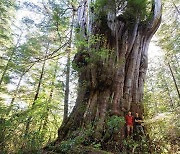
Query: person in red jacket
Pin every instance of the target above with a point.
(129, 123)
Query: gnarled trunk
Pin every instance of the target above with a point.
(112, 65)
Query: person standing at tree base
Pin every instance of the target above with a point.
(129, 123)
(138, 124)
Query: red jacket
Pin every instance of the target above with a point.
(129, 120)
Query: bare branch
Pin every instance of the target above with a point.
(51, 55)
(178, 11)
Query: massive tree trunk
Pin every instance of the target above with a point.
(112, 64)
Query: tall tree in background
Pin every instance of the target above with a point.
(7, 9)
(169, 35)
(163, 79)
(37, 90)
(112, 61)
(68, 64)
(28, 105)
(9, 60)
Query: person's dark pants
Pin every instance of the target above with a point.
(140, 129)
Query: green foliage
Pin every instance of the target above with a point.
(137, 145)
(138, 9)
(7, 10)
(100, 4)
(139, 4)
(115, 123)
(66, 146)
(33, 141)
(88, 55)
(23, 61)
(134, 9)
(161, 97)
(99, 7)
(77, 138)
(96, 145)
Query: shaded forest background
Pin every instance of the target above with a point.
(38, 84)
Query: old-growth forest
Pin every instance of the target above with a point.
(72, 71)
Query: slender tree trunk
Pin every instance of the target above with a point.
(169, 94)
(17, 90)
(111, 64)
(174, 80)
(176, 8)
(177, 60)
(50, 97)
(155, 101)
(9, 60)
(66, 97)
(14, 96)
(37, 92)
(2, 135)
(168, 91)
(175, 67)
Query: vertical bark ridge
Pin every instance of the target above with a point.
(132, 37)
(120, 74)
(135, 93)
(130, 72)
(89, 114)
(101, 113)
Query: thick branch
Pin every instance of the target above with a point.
(157, 12)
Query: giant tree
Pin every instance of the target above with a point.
(113, 38)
